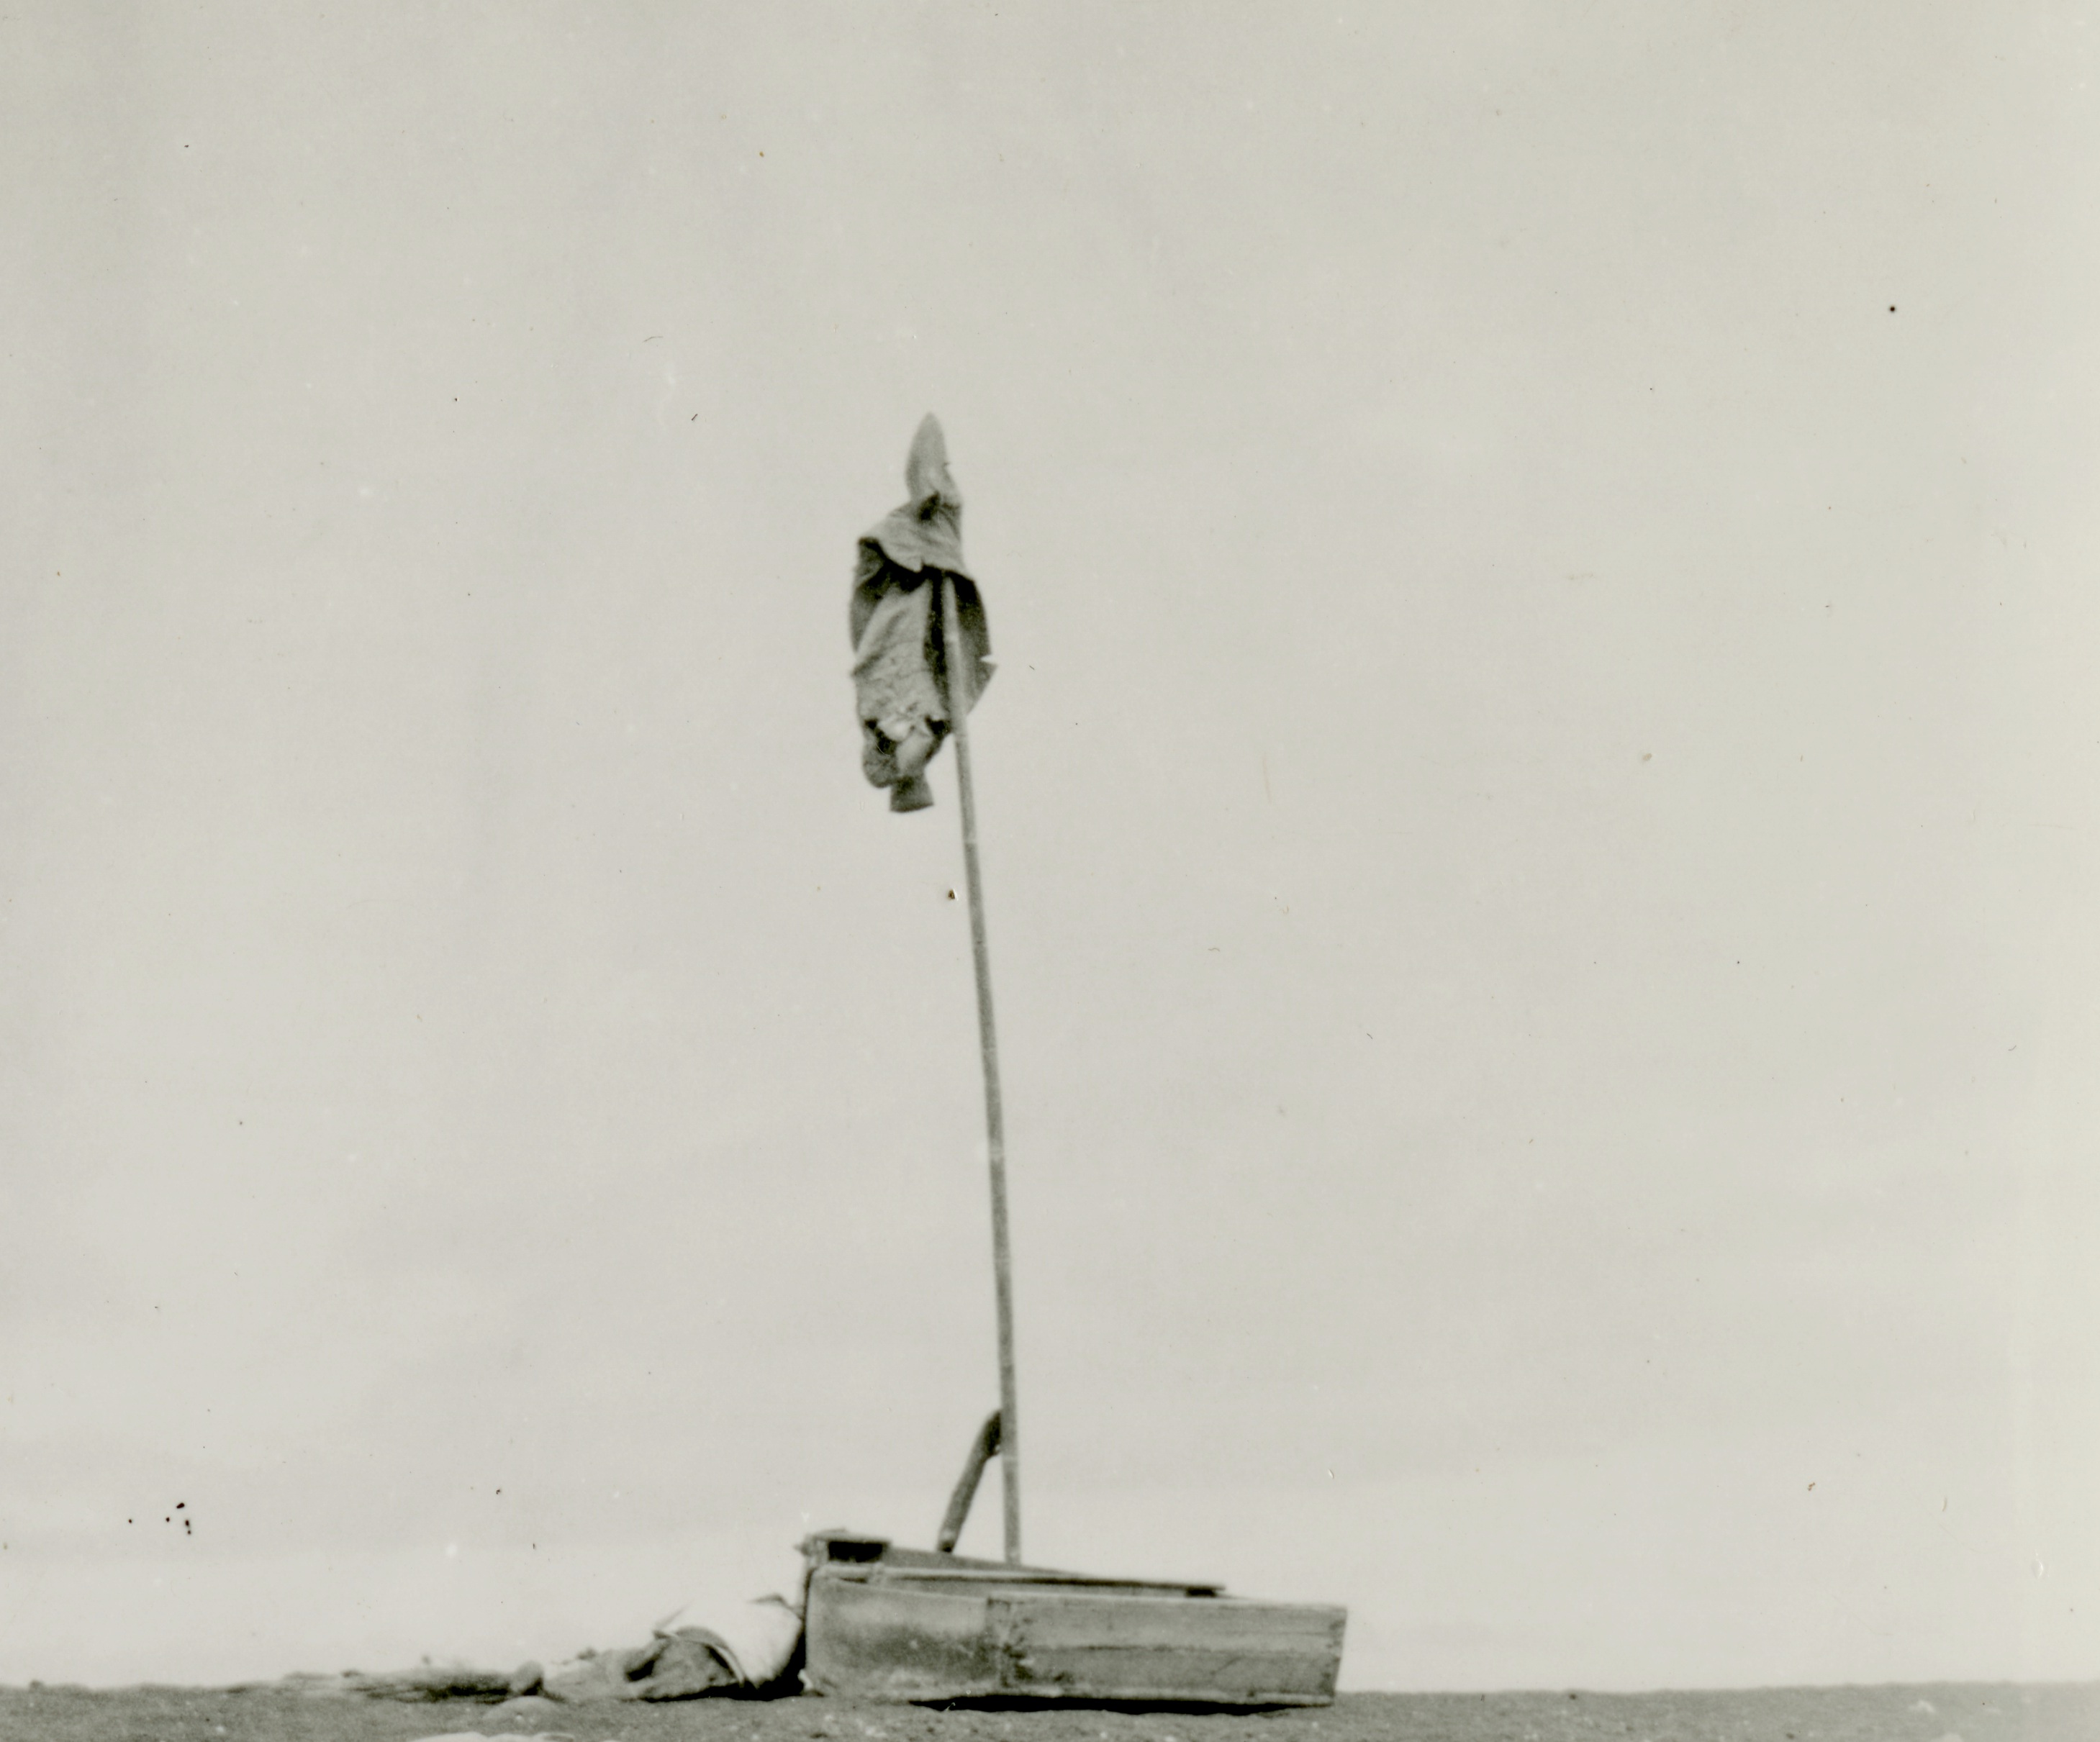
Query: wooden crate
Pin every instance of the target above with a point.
(946, 1629)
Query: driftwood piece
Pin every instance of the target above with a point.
(435, 1681)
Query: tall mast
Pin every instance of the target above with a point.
(959, 698)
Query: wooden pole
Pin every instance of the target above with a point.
(982, 1450)
(959, 698)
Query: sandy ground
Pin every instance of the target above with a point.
(1972, 1712)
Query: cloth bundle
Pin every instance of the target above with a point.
(904, 568)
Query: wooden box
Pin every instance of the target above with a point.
(883, 1623)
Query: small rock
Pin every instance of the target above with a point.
(527, 1677)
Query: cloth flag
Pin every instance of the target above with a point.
(900, 650)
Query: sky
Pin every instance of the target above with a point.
(1538, 810)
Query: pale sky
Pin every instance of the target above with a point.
(1538, 815)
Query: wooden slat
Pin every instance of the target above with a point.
(1114, 1646)
(1029, 1577)
(844, 1551)
(1160, 1675)
(882, 1643)
(1061, 1618)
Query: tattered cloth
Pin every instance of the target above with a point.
(900, 655)
(756, 1648)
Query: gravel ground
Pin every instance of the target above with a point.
(1968, 1712)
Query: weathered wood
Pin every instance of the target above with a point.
(855, 1556)
(1032, 1576)
(959, 703)
(881, 1633)
(982, 1450)
(889, 1644)
(434, 1682)
(1080, 1620)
